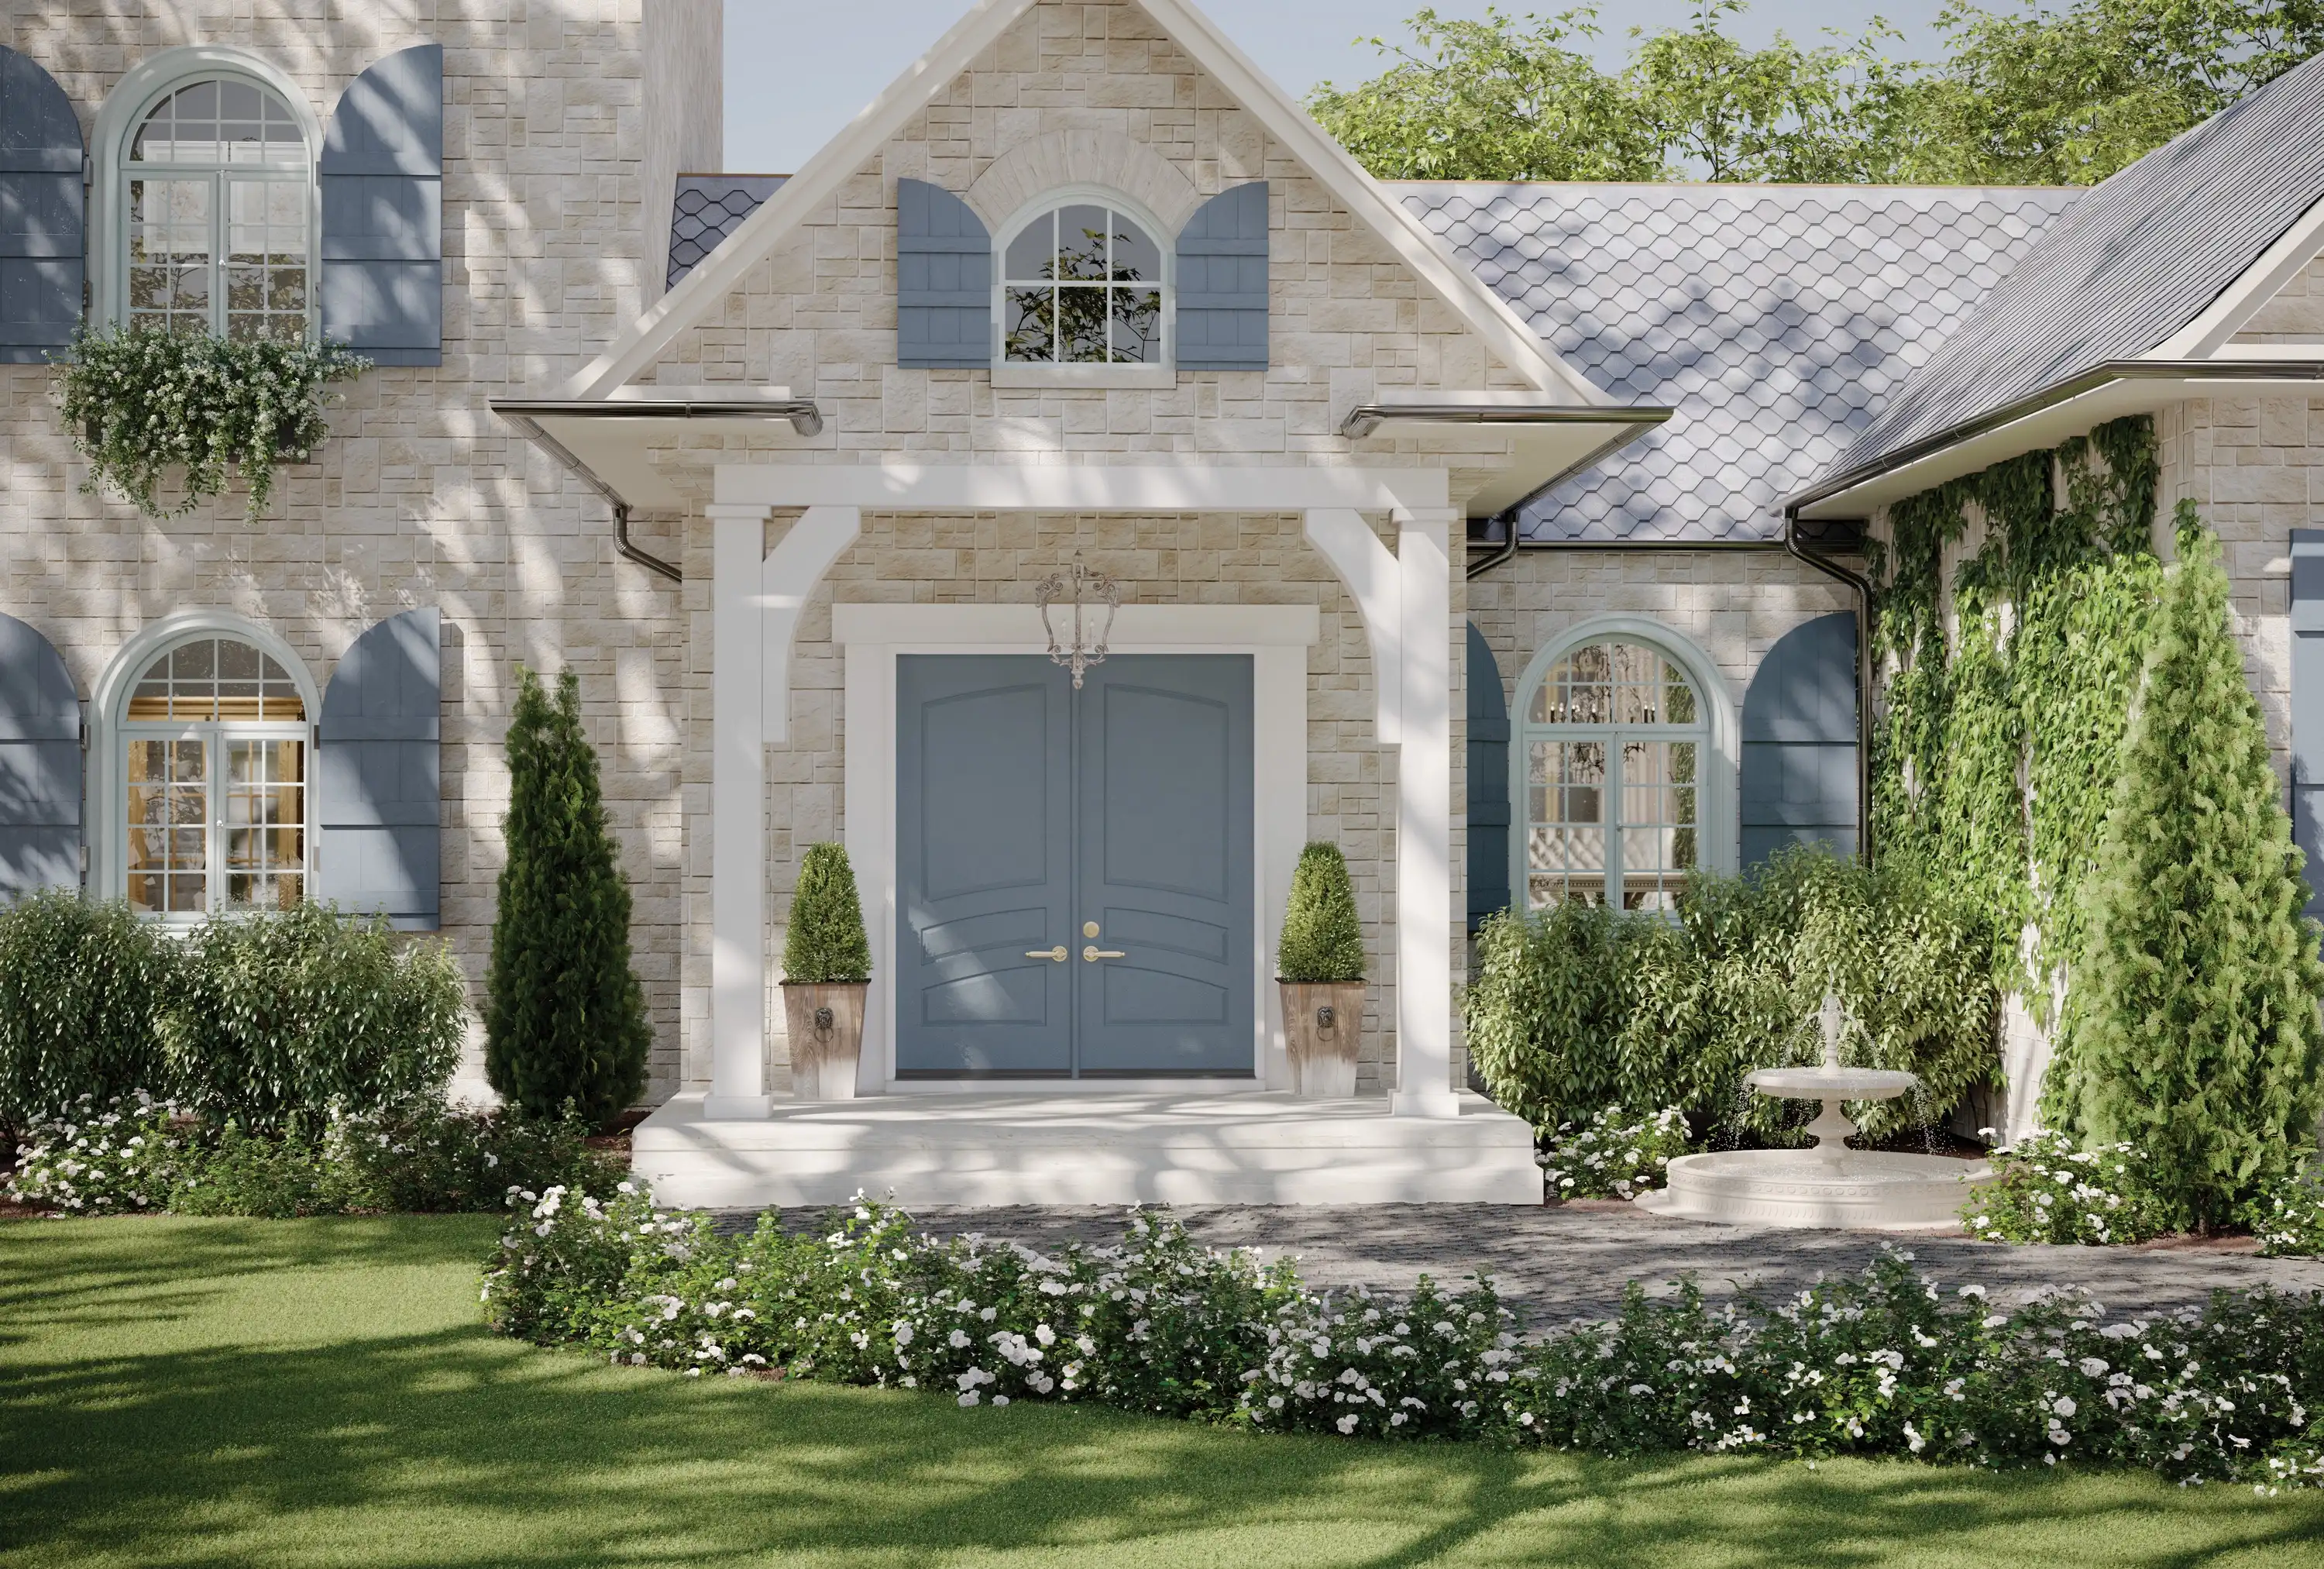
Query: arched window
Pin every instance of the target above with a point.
(218, 186)
(1082, 282)
(1614, 747)
(213, 742)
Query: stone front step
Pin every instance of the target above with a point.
(1086, 1148)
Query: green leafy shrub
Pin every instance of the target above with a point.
(269, 1177)
(1576, 1009)
(824, 942)
(2197, 1035)
(142, 399)
(108, 1158)
(1618, 1155)
(281, 1018)
(83, 990)
(564, 1018)
(1322, 939)
(420, 1156)
(2052, 1190)
(1882, 1362)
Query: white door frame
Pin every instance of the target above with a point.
(1276, 638)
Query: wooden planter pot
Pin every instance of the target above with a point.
(1322, 1025)
(825, 1024)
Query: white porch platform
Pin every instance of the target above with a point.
(1086, 1148)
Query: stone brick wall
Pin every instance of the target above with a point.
(2254, 469)
(422, 496)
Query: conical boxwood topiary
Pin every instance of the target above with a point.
(1323, 940)
(825, 943)
(2197, 1037)
(564, 1018)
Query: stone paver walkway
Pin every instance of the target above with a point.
(1556, 1263)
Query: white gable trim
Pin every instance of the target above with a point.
(1509, 335)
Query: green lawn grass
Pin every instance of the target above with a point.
(320, 1392)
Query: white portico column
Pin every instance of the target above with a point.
(1424, 821)
(738, 817)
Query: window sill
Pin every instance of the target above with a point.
(1023, 377)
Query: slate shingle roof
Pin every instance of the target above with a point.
(1773, 319)
(2139, 258)
(707, 209)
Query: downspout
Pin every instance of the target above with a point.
(621, 544)
(1508, 520)
(1862, 588)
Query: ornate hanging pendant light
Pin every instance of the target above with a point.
(1084, 589)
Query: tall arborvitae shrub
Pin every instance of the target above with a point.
(2197, 1035)
(824, 942)
(1322, 939)
(564, 1018)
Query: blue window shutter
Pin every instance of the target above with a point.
(1488, 783)
(383, 179)
(42, 211)
(378, 774)
(1223, 283)
(944, 279)
(2308, 706)
(39, 764)
(1799, 741)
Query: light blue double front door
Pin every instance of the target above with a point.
(1075, 870)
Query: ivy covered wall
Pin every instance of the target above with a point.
(2010, 618)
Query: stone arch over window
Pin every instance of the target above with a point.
(206, 214)
(1083, 276)
(202, 789)
(1622, 767)
(1021, 177)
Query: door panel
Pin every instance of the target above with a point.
(1164, 793)
(984, 850)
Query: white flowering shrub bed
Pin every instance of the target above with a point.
(1884, 1363)
(2290, 1220)
(413, 1155)
(128, 1155)
(1618, 1155)
(2052, 1190)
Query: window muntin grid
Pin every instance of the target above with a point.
(216, 800)
(220, 201)
(1613, 753)
(1082, 284)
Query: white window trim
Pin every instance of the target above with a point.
(108, 805)
(1719, 804)
(125, 108)
(1034, 374)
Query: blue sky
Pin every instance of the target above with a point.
(797, 71)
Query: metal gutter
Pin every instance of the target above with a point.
(525, 415)
(1862, 587)
(1365, 417)
(2072, 387)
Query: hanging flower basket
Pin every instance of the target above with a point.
(141, 400)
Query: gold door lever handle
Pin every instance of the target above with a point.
(1056, 955)
(1093, 954)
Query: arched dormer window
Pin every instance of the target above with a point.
(1083, 281)
(1623, 764)
(213, 207)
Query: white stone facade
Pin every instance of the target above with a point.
(423, 496)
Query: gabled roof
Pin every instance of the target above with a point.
(700, 292)
(1775, 319)
(2141, 256)
(707, 209)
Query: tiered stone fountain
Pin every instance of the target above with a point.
(1829, 1184)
